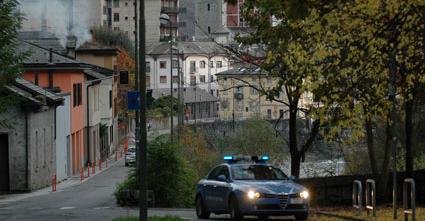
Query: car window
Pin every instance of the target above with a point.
(257, 172)
(214, 173)
(224, 171)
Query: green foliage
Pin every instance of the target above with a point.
(115, 38)
(163, 105)
(170, 176)
(125, 192)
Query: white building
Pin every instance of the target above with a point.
(199, 63)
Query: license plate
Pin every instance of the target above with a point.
(296, 201)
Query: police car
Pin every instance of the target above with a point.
(249, 186)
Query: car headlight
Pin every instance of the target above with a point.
(252, 195)
(304, 194)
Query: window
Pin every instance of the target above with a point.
(176, 79)
(116, 28)
(77, 94)
(202, 78)
(212, 92)
(126, 4)
(148, 67)
(192, 80)
(163, 79)
(280, 113)
(105, 10)
(211, 78)
(126, 18)
(269, 114)
(116, 17)
(219, 64)
(202, 64)
(192, 66)
(209, 29)
(246, 109)
(163, 64)
(253, 91)
(220, 170)
(116, 3)
(209, 7)
(211, 64)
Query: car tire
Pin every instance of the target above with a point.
(201, 211)
(301, 217)
(235, 213)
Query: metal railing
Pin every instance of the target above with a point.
(357, 195)
(370, 197)
(412, 210)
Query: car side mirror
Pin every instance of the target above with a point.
(222, 178)
(292, 178)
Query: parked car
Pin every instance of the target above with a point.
(130, 156)
(250, 186)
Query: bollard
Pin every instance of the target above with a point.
(81, 174)
(412, 210)
(116, 155)
(93, 168)
(357, 195)
(54, 183)
(100, 165)
(370, 197)
(106, 163)
(88, 169)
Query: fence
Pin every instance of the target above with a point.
(338, 190)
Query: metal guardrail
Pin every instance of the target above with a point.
(370, 197)
(412, 210)
(357, 195)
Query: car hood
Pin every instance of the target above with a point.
(269, 187)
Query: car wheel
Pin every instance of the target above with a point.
(301, 217)
(235, 213)
(201, 211)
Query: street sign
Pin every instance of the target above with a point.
(133, 100)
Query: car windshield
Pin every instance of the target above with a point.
(257, 172)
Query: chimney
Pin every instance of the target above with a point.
(71, 44)
(44, 18)
(51, 55)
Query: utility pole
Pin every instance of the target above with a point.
(142, 150)
(136, 56)
(179, 95)
(171, 81)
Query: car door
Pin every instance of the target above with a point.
(222, 189)
(209, 187)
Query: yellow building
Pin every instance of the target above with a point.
(239, 98)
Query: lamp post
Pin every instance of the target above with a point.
(165, 19)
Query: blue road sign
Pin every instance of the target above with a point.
(133, 100)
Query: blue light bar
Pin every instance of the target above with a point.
(228, 157)
(265, 158)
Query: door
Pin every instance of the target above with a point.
(222, 190)
(4, 163)
(209, 188)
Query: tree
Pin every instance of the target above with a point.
(10, 59)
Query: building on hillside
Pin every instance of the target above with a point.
(199, 62)
(199, 104)
(56, 72)
(27, 138)
(238, 100)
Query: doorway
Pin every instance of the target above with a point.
(4, 163)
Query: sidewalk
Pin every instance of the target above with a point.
(70, 182)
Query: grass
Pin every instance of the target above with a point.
(153, 218)
(382, 214)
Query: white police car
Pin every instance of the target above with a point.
(250, 186)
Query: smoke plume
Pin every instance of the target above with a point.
(61, 17)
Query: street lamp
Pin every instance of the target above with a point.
(164, 20)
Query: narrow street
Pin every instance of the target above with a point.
(91, 200)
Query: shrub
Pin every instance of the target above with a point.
(125, 192)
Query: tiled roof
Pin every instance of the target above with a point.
(245, 69)
(200, 47)
(43, 39)
(95, 46)
(191, 94)
(36, 90)
(40, 55)
(94, 74)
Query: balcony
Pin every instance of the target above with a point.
(170, 10)
(173, 25)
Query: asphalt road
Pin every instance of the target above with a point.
(91, 200)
